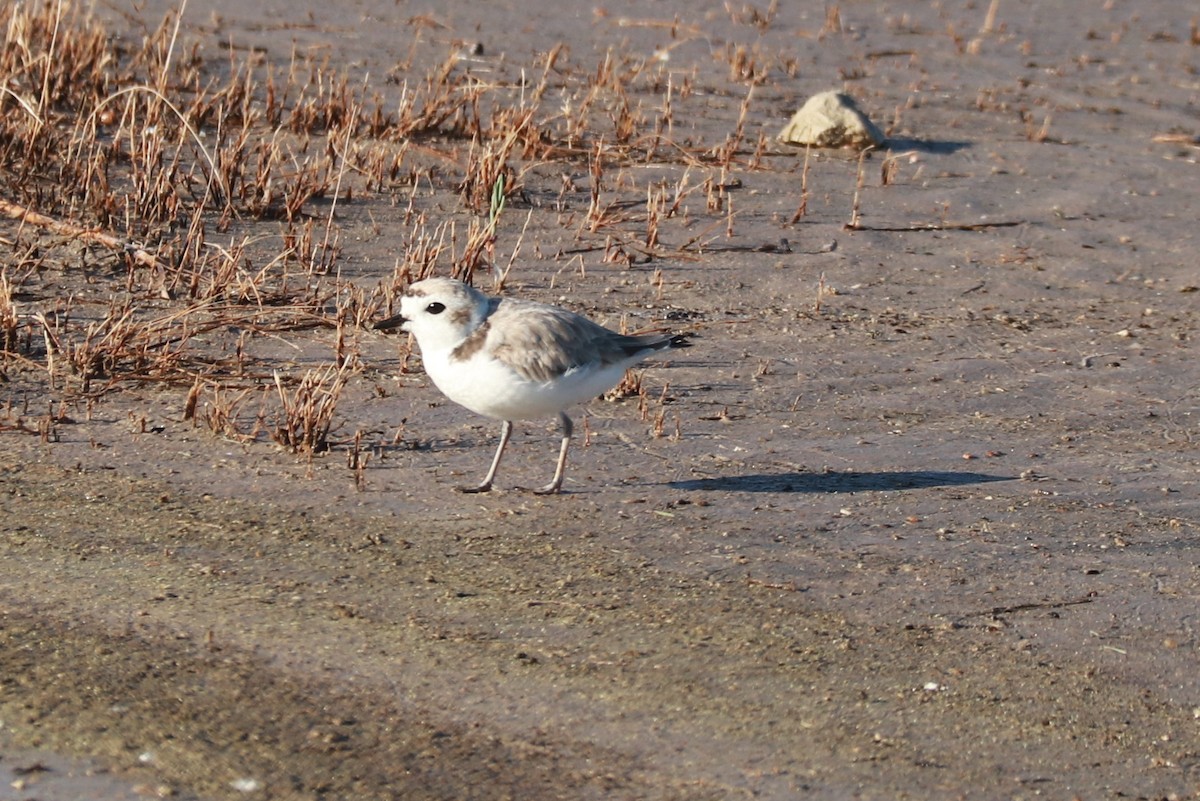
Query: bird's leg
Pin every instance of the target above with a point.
(486, 484)
(556, 484)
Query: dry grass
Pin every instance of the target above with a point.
(9, 321)
(204, 205)
(305, 416)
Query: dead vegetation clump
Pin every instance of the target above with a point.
(305, 416)
(166, 213)
(9, 322)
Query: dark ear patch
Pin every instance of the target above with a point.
(472, 344)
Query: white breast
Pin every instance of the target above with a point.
(490, 388)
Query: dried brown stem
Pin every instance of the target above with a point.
(16, 211)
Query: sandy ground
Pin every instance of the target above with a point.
(921, 521)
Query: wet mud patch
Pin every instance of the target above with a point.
(501, 658)
(226, 725)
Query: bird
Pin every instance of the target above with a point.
(512, 359)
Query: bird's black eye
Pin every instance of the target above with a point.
(435, 308)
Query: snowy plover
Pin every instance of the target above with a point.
(515, 359)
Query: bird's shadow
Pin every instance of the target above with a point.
(837, 482)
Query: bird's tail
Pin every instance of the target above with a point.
(648, 343)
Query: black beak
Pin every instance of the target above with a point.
(390, 323)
